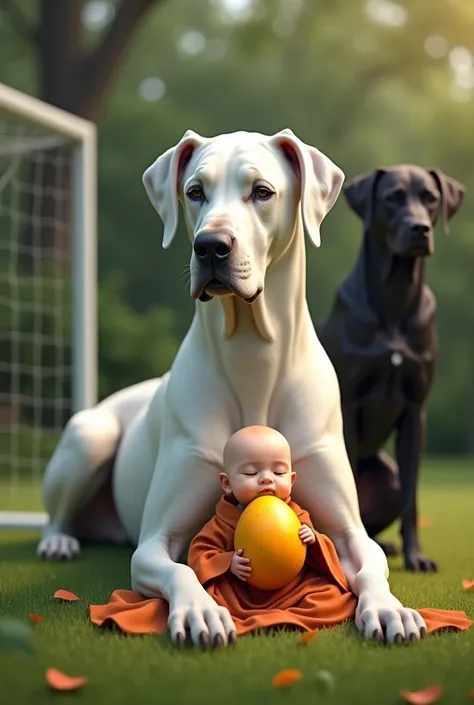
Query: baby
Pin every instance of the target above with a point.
(257, 460)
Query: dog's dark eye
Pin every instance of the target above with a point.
(429, 197)
(397, 196)
(261, 193)
(195, 193)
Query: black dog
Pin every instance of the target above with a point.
(381, 338)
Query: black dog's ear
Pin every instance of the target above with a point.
(360, 191)
(452, 194)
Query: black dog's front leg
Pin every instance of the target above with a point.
(409, 447)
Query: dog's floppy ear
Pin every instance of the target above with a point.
(360, 192)
(452, 194)
(161, 182)
(320, 178)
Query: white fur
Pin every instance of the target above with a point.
(239, 364)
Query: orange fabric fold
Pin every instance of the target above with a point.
(318, 597)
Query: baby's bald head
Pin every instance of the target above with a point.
(257, 459)
(258, 443)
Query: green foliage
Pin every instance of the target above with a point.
(35, 341)
(35, 332)
(31, 447)
(132, 347)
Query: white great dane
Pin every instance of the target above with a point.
(251, 356)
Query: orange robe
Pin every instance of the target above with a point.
(318, 597)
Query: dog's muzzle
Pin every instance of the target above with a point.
(213, 251)
(416, 239)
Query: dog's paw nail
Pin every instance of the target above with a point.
(218, 641)
(179, 639)
(422, 632)
(377, 635)
(412, 638)
(204, 639)
(233, 638)
(398, 639)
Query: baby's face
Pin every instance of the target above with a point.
(259, 466)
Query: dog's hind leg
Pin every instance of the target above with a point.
(74, 476)
(378, 487)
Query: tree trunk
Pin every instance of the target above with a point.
(79, 81)
(71, 77)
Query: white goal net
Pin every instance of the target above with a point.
(47, 291)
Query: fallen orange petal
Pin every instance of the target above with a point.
(60, 681)
(35, 617)
(286, 677)
(470, 694)
(65, 595)
(468, 584)
(422, 697)
(424, 522)
(308, 636)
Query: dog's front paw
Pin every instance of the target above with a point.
(382, 617)
(208, 623)
(58, 546)
(416, 562)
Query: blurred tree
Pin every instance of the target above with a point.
(132, 347)
(77, 65)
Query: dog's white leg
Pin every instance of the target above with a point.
(73, 476)
(325, 486)
(182, 498)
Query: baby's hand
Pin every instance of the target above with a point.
(306, 534)
(239, 565)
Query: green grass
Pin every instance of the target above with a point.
(135, 670)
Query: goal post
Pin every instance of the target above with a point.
(84, 198)
(36, 137)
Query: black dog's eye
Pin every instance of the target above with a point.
(397, 196)
(261, 193)
(429, 197)
(195, 193)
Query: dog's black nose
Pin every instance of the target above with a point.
(213, 246)
(420, 228)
